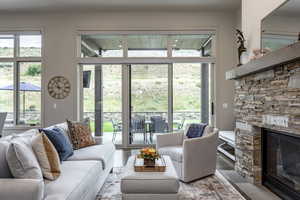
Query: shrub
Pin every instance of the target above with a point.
(33, 70)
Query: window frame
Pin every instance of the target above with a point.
(126, 61)
(16, 60)
(145, 60)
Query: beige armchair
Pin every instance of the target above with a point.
(193, 158)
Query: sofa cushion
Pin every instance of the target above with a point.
(64, 149)
(21, 159)
(64, 129)
(175, 152)
(4, 144)
(47, 156)
(75, 180)
(80, 134)
(102, 152)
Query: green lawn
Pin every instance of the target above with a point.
(107, 126)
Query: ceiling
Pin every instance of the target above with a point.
(120, 5)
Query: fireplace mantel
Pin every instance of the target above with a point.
(270, 60)
(267, 95)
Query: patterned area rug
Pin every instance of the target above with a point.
(214, 187)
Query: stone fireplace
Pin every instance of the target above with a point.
(267, 97)
(281, 163)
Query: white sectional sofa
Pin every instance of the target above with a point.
(82, 175)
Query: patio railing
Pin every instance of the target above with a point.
(177, 116)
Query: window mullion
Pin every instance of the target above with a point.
(125, 46)
(16, 93)
(170, 96)
(169, 47)
(17, 46)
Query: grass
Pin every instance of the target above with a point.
(107, 126)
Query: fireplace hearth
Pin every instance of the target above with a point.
(281, 163)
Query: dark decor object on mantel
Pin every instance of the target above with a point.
(241, 41)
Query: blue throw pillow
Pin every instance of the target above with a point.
(60, 142)
(195, 130)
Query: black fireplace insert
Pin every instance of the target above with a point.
(281, 163)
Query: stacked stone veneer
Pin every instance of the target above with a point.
(269, 99)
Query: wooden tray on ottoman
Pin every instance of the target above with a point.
(160, 165)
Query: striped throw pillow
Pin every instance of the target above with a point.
(47, 156)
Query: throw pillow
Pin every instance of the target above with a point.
(61, 144)
(22, 161)
(64, 129)
(80, 134)
(195, 130)
(47, 156)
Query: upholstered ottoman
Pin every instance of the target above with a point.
(149, 185)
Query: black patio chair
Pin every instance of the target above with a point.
(158, 125)
(138, 125)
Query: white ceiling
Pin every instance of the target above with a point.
(62, 5)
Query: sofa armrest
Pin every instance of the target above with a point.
(169, 139)
(25, 189)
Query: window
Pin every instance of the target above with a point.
(30, 46)
(6, 46)
(273, 42)
(20, 81)
(101, 46)
(146, 45)
(6, 90)
(186, 94)
(137, 84)
(191, 45)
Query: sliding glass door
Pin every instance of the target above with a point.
(148, 101)
(102, 100)
(162, 98)
(191, 94)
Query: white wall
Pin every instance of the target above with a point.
(253, 11)
(60, 48)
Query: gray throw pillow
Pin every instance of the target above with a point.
(22, 161)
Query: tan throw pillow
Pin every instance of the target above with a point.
(47, 156)
(80, 134)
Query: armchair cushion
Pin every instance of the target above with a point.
(175, 152)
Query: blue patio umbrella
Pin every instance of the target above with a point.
(25, 87)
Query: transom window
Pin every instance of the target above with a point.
(20, 77)
(147, 45)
